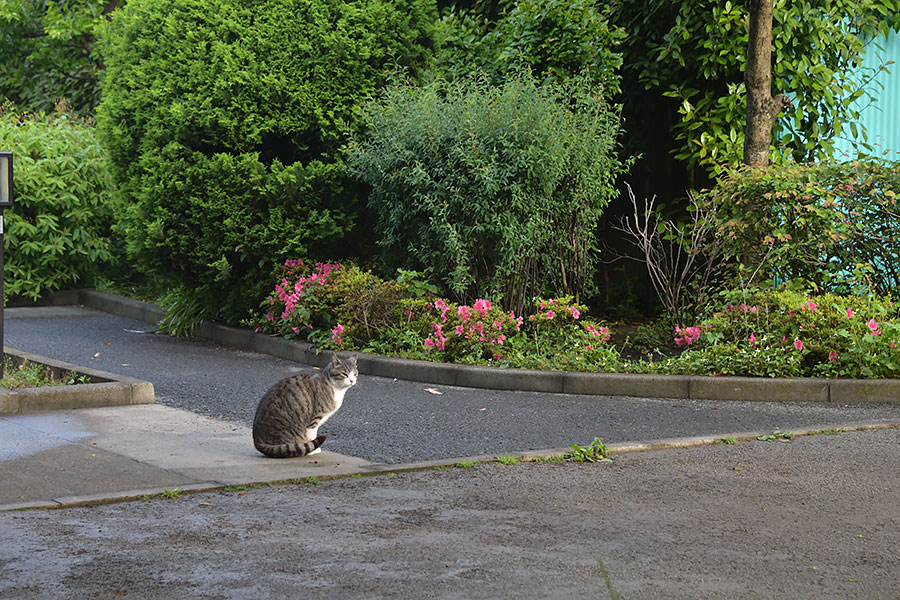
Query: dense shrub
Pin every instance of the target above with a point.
(342, 306)
(47, 50)
(831, 227)
(786, 334)
(758, 333)
(555, 39)
(57, 232)
(495, 192)
(224, 120)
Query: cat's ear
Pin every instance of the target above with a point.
(334, 358)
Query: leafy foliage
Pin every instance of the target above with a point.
(695, 53)
(787, 334)
(48, 53)
(495, 192)
(555, 39)
(223, 121)
(342, 306)
(828, 227)
(595, 452)
(310, 302)
(755, 333)
(57, 233)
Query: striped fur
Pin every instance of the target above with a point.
(290, 413)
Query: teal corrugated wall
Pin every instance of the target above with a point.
(882, 119)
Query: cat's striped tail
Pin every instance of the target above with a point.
(288, 450)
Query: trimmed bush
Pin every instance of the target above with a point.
(224, 123)
(495, 192)
(57, 232)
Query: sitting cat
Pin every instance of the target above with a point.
(289, 415)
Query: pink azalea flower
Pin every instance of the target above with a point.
(832, 355)
(575, 312)
(849, 314)
(752, 339)
(873, 327)
(798, 344)
(336, 332)
(482, 306)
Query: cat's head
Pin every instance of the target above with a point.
(342, 371)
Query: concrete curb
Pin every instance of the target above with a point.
(561, 382)
(108, 389)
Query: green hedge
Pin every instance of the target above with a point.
(493, 191)
(224, 121)
(57, 232)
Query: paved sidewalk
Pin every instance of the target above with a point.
(64, 458)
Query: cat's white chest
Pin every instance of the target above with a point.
(339, 396)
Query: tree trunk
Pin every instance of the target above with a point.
(762, 108)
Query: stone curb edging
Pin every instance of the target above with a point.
(687, 387)
(384, 468)
(108, 389)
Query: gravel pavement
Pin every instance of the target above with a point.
(816, 517)
(390, 421)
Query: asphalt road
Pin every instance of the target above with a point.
(391, 421)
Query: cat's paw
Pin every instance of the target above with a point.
(316, 451)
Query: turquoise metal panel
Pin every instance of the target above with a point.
(881, 119)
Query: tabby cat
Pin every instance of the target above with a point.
(289, 415)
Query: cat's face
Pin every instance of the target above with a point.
(343, 371)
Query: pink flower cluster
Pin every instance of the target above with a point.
(872, 324)
(290, 294)
(336, 332)
(546, 312)
(475, 325)
(600, 332)
(688, 335)
(809, 305)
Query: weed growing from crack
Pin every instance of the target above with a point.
(780, 436)
(596, 452)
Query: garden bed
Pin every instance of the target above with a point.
(63, 386)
